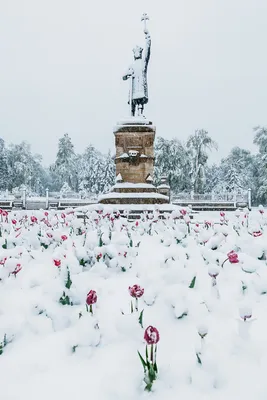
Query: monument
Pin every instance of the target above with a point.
(134, 140)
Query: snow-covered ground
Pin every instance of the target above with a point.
(56, 351)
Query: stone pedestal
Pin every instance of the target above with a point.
(135, 151)
(134, 140)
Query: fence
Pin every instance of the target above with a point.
(239, 197)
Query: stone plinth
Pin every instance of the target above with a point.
(134, 151)
(134, 140)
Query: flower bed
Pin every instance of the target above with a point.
(83, 301)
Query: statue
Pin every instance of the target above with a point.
(137, 73)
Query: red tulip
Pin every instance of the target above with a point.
(257, 234)
(17, 269)
(64, 237)
(91, 298)
(233, 257)
(183, 211)
(46, 213)
(136, 291)
(57, 263)
(151, 335)
(14, 221)
(33, 219)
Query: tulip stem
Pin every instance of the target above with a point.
(151, 354)
(136, 304)
(91, 309)
(224, 262)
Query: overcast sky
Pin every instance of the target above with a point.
(62, 62)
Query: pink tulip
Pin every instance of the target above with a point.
(17, 269)
(257, 234)
(91, 298)
(233, 257)
(33, 219)
(151, 335)
(64, 237)
(57, 263)
(136, 291)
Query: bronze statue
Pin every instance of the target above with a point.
(137, 73)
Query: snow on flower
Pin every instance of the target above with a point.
(136, 291)
(91, 297)
(233, 257)
(151, 335)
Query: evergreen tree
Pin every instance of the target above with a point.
(64, 169)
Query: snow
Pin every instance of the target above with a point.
(134, 121)
(118, 178)
(163, 186)
(131, 195)
(41, 360)
(129, 185)
(124, 155)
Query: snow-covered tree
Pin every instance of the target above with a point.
(64, 169)
(197, 156)
(24, 168)
(4, 176)
(170, 161)
(260, 140)
(107, 178)
(90, 168)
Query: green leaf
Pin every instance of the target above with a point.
(143, 362)
(123, 269)
(198, 359)
(155, 367)
(74, 348)
(140, 319)
(82, 262)
(192, 284)
(151, 373)
(183, 315)
(69, 281)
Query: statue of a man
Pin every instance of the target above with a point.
(137, 73)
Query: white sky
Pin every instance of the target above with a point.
(62, 62)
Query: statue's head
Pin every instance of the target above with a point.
(137, 52)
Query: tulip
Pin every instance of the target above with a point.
(90, 300)
(14, 221)
(57, 263)
(233, 257)
(64, 237)
(33, 219)
(257, 234)
(151, 337)
(135, 291)
(17, 269)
